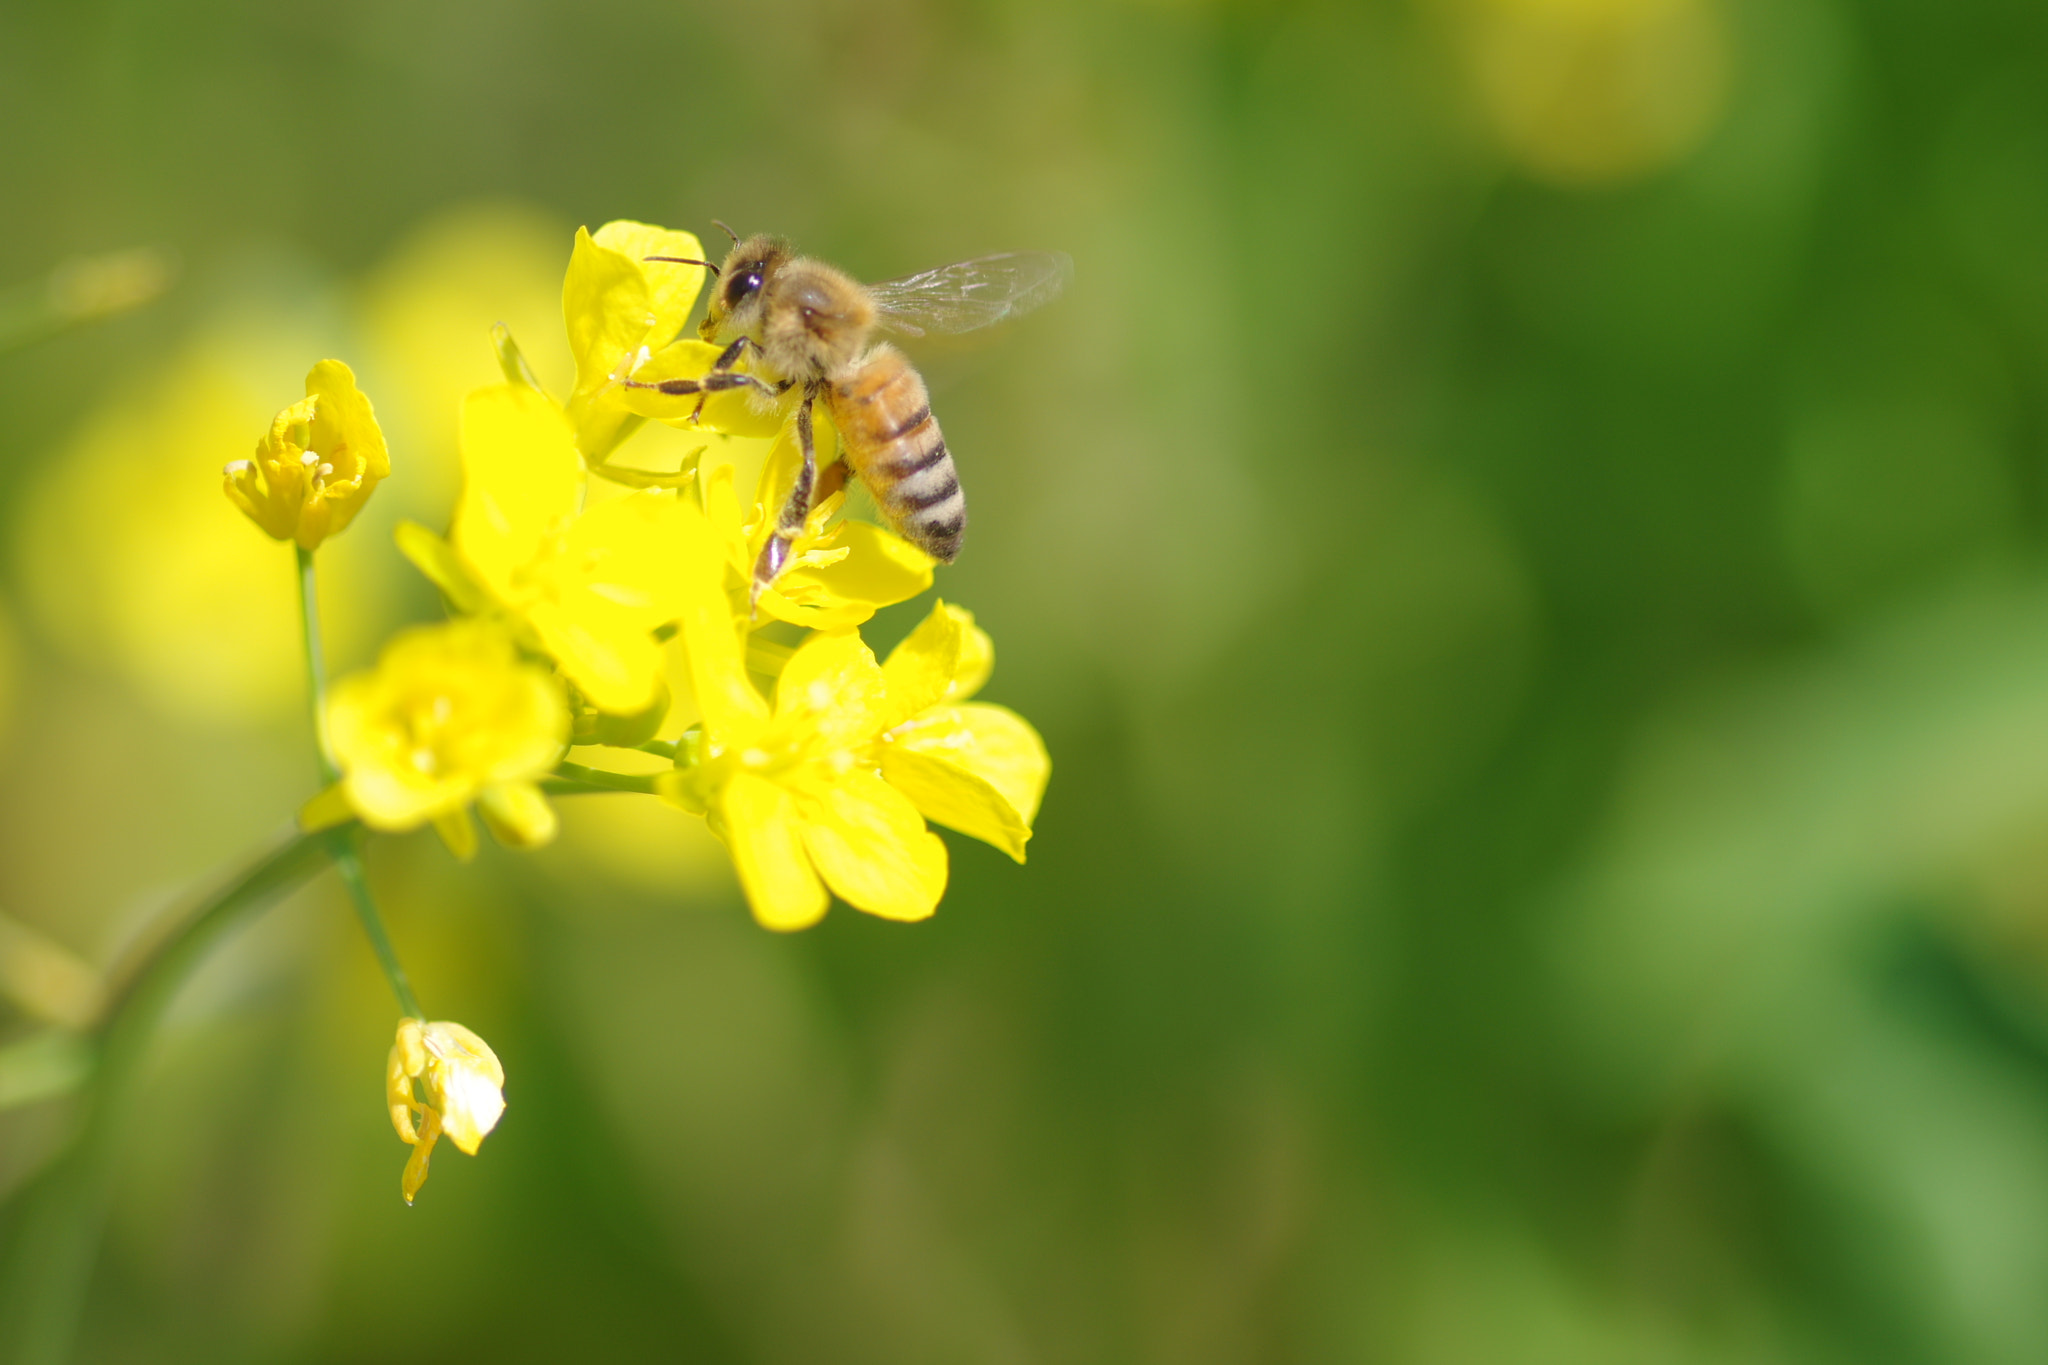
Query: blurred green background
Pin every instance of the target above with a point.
(1524, 540)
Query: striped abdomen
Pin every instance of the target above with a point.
(891, 442)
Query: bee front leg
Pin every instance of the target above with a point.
(720, 378)
(789, 522)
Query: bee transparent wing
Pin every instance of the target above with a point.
(969, 295)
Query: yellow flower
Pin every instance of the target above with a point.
(805, 794)
(592, 586)
(318, 465)
(450, 715)
(460, 1092)
(797, 799)
(839, 572)
(621, 308)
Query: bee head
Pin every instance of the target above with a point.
(736, 297)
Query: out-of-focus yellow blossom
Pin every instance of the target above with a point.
(620, 309)
(970, 766)
(839, 572)
(1596, 91)
(591, 587)
(450, 715)
(805, 793)
(322, 458)
(460, 1092)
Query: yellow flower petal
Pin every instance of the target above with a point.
(464, 1080)
(325, 811)
(758, 821)
(407, 1059)
(832, 691)
(616, 305)
(622, 569)
(517, 814)
(714, 637)
(671, 289)
(878, 569)
(979, 769)
(521, 482)
(947, 658)
(992, 743)
(415, 1174)
(457, 831)
(872, 848)
(444, 568)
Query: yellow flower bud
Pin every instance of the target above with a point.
(318, 464)
(440, 1078)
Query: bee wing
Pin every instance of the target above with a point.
(968, 295)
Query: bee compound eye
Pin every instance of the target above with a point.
(744, 283)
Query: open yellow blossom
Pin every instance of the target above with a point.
(440, 1079)
(621, 308)
(450, 715)
(318, 464)
(798, 801)
(591, 586)
(806, 794)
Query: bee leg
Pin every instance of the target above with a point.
(727, 358)
(712, 382)
(789, 522)
(720, 378)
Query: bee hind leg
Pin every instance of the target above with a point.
(789, 522)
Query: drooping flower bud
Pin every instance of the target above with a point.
(459, 1094)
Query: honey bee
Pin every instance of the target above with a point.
(802, 324)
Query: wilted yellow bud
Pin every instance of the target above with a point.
(460, 1092)
(318, 464)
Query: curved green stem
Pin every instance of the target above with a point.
(345, 845)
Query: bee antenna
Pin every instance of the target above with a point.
(727, 231)
(683, 260)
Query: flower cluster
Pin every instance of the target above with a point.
(580, 585)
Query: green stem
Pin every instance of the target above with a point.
(346, 847)
(602, 780)
(316, 659)
(48, 1259)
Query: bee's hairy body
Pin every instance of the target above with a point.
(809, 325)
